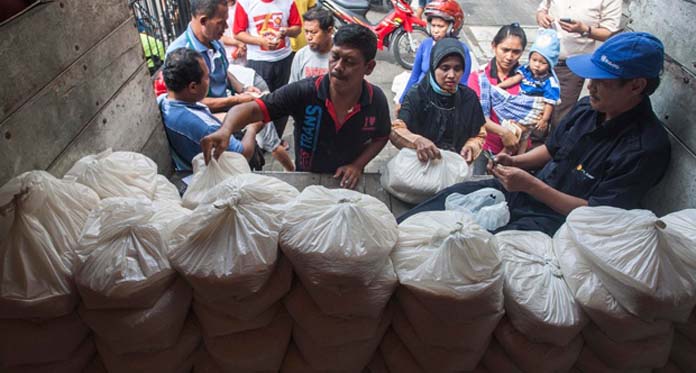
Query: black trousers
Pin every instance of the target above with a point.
(276, 75)
(526, 214)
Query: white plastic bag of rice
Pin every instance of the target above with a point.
(413, 181)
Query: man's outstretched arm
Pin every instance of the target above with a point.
(237, 118)
(515, 179)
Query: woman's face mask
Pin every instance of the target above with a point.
(449, 72)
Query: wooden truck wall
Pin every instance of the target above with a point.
(74, 82)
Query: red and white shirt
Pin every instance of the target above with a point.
(265, 18)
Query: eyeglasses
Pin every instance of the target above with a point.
(515, 24)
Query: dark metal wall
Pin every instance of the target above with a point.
(159, 23)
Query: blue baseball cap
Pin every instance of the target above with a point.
(626, 55)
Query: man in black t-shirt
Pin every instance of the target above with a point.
(341, 120)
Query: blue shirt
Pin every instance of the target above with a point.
(421, 65)
(214, 58)
(186, 124)
(546, 87)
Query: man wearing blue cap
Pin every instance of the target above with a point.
(609, 150)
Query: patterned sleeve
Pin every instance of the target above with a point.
(552, 91)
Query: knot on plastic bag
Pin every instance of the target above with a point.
(660, 224)
(554, 267)
(458, 226)
(230, 202)
(349, 200)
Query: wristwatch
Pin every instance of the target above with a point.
(587, 33)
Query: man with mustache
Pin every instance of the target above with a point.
(313, 59)
(609, 150)
(341, 120)
(208, 24)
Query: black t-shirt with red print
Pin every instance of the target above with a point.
(322, 144)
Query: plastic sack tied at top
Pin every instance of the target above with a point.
(122, 255)
(41, 218)
(448, 254)
(117, 174)
(623, 248)
(338, 237)
(228, 247)
(538, 302)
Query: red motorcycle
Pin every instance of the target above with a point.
(400, 30)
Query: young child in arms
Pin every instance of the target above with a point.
(538, 79)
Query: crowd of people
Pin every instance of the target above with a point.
(548, 151)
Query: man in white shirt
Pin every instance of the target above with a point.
(313, 58)
(266, 26)
(582, 25)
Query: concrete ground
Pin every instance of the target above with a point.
(482, 21)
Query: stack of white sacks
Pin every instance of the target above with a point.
(228, 252)
(629, 281)
(542, 328)
(679, 233)
(339, 243)
(40, 222)
(132, 298)
(451, 298)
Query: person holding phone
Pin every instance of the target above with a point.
(581, 25)
(608, 151)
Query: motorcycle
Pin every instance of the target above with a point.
(400, 30)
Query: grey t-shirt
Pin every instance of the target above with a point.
(308, 63)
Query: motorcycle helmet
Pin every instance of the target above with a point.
(450, 11)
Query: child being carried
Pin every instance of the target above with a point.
(537, 79)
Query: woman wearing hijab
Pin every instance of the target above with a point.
(445, 19)
(439, 112)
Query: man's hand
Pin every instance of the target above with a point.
(501, 159)
(243, 97)
(426, 150)
(268, 43)
(544, 20)
(468, 153)
(215, 144)
(514, 179)
(574, 26)
(252, 89)
(350, 176)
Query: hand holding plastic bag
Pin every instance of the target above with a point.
(207, 177)
(413, 181)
